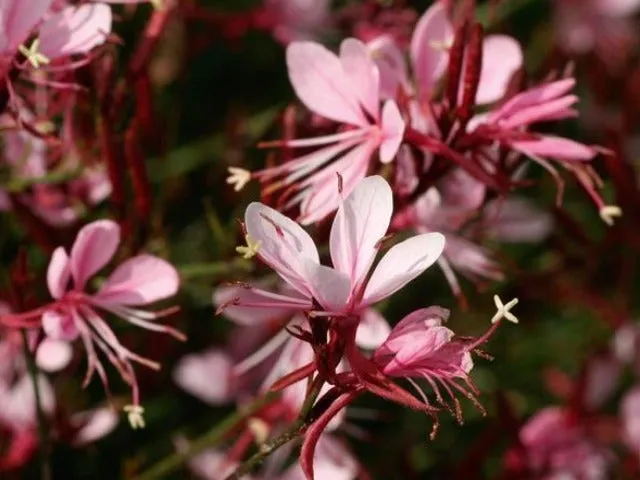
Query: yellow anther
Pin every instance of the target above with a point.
(157, 4)
(135, 416)
(504, 310)
(609, 213)
(250, 250)
(33, 55)
(238, 177)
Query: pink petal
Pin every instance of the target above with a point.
(320, 82)
(391, 64)
(429, 46)
(75, 30)
(401, 264)
(373, 329)
(17, 19)
(330, 287)
(325, 195)
(362, 73)
(53, 355)
(617, 8)
(60, 325)
(516, 220)
(534, 96)
(393, 127)
(139, 281)
(94, 425)
(555, 147)
(58, 273)
(207, 376)
(18, 404)
(462, 191)
(501, 58)
(95, 245)
(361, 222)
(630, 418)
(283, 244)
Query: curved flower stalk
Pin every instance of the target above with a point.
(348, 288)
(76, 313)
(344, 89)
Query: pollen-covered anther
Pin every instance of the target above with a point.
(135, 415)
(440, 45)
(250, 250)
(609, 213)
(238, 177)
(504, 310)
(33, 55)
(260, 430)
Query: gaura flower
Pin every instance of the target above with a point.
(344, 89)
(76, 313)
(356, 234)
(419, 348)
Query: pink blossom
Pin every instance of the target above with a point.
(29, 159)
(344, 89)
(346, 289)
(296, 20)
(429, 54)
(630, 419)
(74, 312)
(72, 30)
(602, 26)
(418, 348)
(556, 446)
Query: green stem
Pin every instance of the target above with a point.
(216, 269)
(210, 439)
(293, 432)
(32, 369)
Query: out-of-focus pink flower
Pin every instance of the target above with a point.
(138, 281)
(92, 425)
(358, 228)
(72, 30)
(556, 446)
(602, 26)
(418, 348)
(344, 89)
(296, 20)
(630, 419)
(58, 205)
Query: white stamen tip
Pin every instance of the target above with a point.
(250, 250)
(135, 415)
(238, 177)
(504, 310)
(33, 55)
(609, 213)
(260, 430)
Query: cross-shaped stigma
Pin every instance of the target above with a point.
(504, 310)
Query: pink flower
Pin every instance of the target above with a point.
(630, 419)
(602, 26)
(556, 446)
(295, 20)
(429, 54)
(72, 30)
(347, 288)
(418, 348)
(74, 312)
(344, 89)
